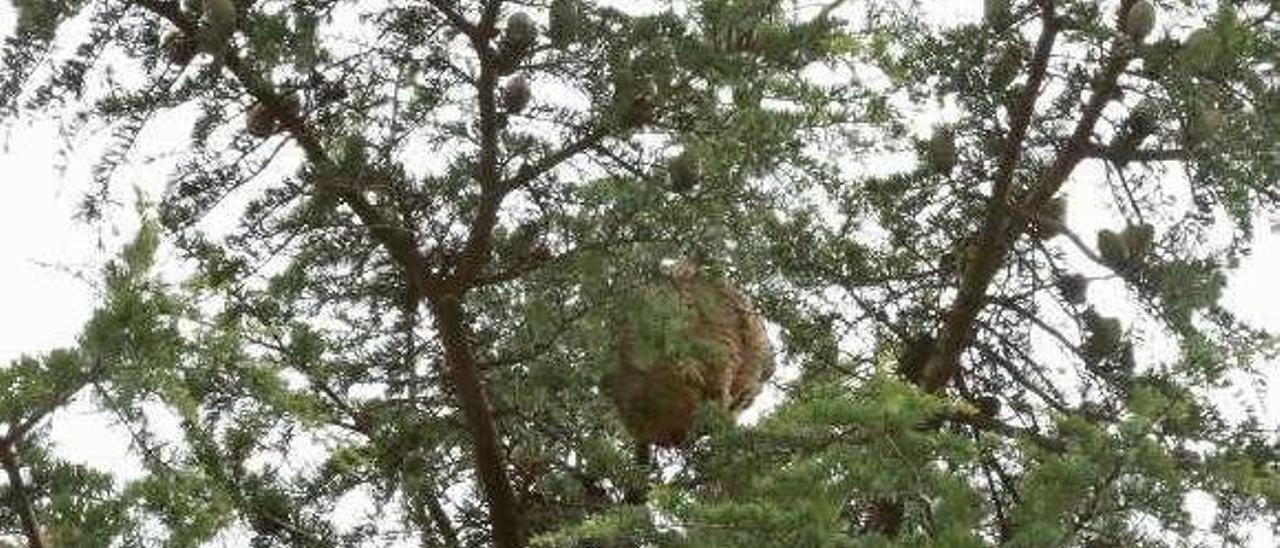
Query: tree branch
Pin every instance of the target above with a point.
(531, 171)
(442, 524)
(1093, 150)
(396, 240)
(447, 8)
(1000, 227)
(400, 244)
(492, 189)
(491, 468)
(447, 307)
(992, 243)
(20, 429)
(1011, 305)
(20, 498)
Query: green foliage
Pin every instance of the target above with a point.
(415, 305)
(190, 508)
(802, 475)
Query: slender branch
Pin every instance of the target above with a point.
(1009, 304)
(513, 272)
(532, 263)
(1002, 521)
(529, 172)
(151, 456)
(1090, 511)
(397, 241)
(442, 524)
(448, 9)
(989, 424)
(545, 343)
(1011, 369)
(20, 429)
(621, 162)
(1110, 154)
(828, 9)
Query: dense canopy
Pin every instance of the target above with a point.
(427, 252)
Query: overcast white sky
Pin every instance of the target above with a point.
(44, 302)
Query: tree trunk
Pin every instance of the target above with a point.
(504, 516)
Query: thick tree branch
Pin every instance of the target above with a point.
(1001, 227)
(400, 244)
(992, 243)
(450, 323)
(488, 172)
(447, 307)
(20, 497)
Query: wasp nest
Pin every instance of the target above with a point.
(689, 339)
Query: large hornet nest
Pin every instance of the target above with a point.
(689, 339)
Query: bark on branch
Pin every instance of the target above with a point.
(1001, 227)
(504, 515)
(20, 497)
(400, 243)
(993, 240)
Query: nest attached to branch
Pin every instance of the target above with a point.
(686, 340)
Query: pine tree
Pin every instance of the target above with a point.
(421, 306)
